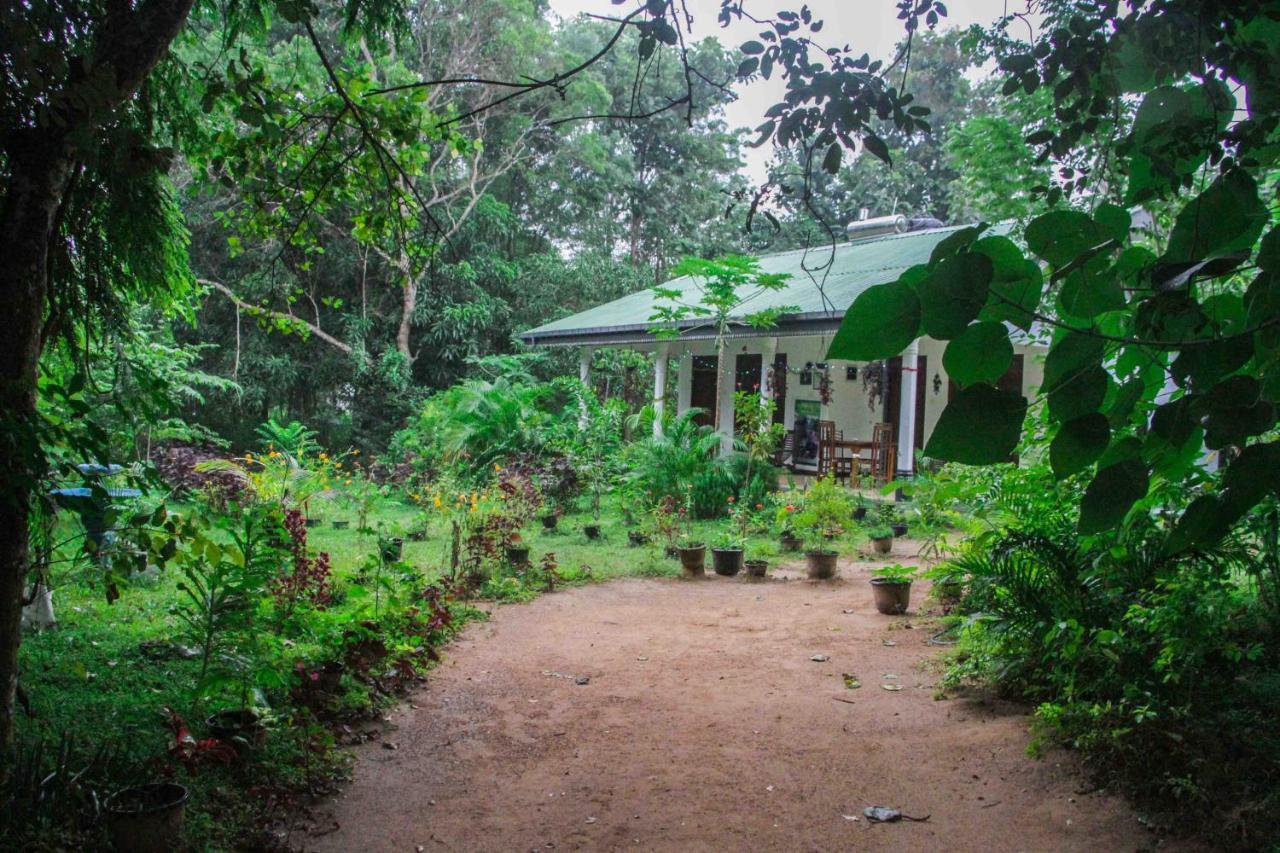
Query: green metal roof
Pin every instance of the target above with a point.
(822, 293)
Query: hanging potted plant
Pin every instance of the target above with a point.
(881, 538)
(891, 589)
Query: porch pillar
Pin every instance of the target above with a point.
(907, 410)
(584, 376)
(768, 351)
(724, 403)
(659, 386)
(684, 381)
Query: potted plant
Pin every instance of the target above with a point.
(891, 588)
(784, 518)
(551, 518)
(948, 583)
(241, 727)
(756, 567)
(887, 514)
(592, 530)
(668, 520)
(881, 538)
(517, 552)
(726, 555)
(147, 818)
(637, 538)
(826, 511)
(859, 507)
(693, 556)
(390, 548)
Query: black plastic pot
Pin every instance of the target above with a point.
(822, 564)
(635, 538)
(726, 561)
(418, 536)
(313, 522)
(791, 543)
(892, 597)
(756, 568)
(340, 525)
(859, 513)
(147, 818)
(518, 555)
(240, 727)
(592, 530)
(391, 549)
(550, 521)
(693, 560)
(899, 528)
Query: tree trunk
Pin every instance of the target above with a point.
(127, 43)
(409, 304)
(31, 200)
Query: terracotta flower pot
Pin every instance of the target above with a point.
(822, 564)
(883, 545)
(693, 560)
(726, 561)
(892, 597)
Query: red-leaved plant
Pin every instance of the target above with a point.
(310, 578)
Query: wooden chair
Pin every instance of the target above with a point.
(826, 447)
(882, 452)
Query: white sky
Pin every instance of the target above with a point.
(865, 25)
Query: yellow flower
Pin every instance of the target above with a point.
(497, 467)
(438, 502)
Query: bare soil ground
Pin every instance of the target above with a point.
(706, 725)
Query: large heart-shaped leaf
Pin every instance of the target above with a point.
(1113, 492)
(880, 323)
(981, 353)
(1078, 444)
(953, 294)
(980, 426)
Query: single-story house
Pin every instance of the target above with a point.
(788, 362)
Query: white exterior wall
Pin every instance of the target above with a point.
(848, 406)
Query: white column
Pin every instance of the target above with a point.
(684, 381)
(659, 386)
(725, 362)
(907, 409)
(584, 375)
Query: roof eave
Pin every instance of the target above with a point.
(811, 323)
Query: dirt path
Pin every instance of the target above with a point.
(705, 725)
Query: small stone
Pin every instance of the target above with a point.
(386, 744)
(582, 679)
(820, 658)
(591, 820)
